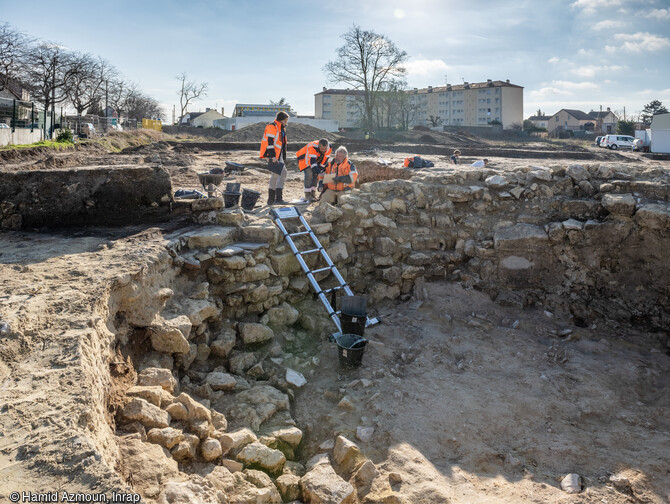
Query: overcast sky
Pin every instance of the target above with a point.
(580, 54)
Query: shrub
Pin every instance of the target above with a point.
(64, 135)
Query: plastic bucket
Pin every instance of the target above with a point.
(353, 314)
(249, 198)
(233, 187)
(230, 199)
(350, 349)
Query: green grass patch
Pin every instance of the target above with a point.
(50, 144)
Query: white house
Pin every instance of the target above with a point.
(660, 134)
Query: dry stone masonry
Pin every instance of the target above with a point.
(211, 401)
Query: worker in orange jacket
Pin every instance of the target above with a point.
(339, 177)
(273, 148)
(312, 160)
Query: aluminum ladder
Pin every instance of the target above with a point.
(284, 213)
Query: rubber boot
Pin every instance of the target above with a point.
(312, 196)
(279, 200)
(271, 196)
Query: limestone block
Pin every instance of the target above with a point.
(255, 333)
(196, 411)
(391, 275)
(177, 411)
(201, 428)
(210, 449)
(157, 376)
(219, 421)
(210, 237)
(517, 191)
(155, 395)
(345, 452)
(619, 204)
(203, 352)
(147, 414)
(253, 274)
(218, 276)
(236, 440)
(258, 455)
(284, 264)
(323, 228)
(241, 361)
(411, 272)
(229, 218)
(653, 216)
(496, 182)
(220, 381)
(295, 379)
(572, 483)
(289, 487)
(398, 205)
(577, 173)
(186, 449)
(263, 233)
(281, 315)
(300, 284)
(380, 290)
(384, 246)
(168, 335)
(322, 485)
(384, 260)
(232, 465)
(150, 463)
(289, 435)
(418, 259)
(224, 343)
(206, 204)
(166, 437)
(236, 262)
(198, 310)
(327, 212)
(366, 223)
(338, 252)
(519, 236)
(257, 294)
(383, 221)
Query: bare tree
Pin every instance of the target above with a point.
(366, 61)
(189, 91)
(87, 85)
(13, 45)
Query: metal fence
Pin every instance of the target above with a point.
(21, 114)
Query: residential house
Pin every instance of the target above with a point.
(13, 89)
(206, 119)
(467, 104)
(540, 121)
(570, 120)
(605, 122)
(188, 117)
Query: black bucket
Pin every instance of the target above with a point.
(230, 199)
(353, 314)
(350, 348)
(249, 198)
(233, 187)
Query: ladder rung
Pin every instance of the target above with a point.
(309, 251)
(299, 233)
(328, 268)
(333, 289)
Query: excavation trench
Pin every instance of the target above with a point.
(523, 338)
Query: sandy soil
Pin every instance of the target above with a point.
(469, 401)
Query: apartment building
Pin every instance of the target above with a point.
(467, 104)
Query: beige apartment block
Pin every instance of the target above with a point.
(467, 104)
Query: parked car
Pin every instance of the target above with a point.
(87, 130)
(619, 141)
(596, 142)
(4, 125)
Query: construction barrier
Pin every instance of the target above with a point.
(151, 124)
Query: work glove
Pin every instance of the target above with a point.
(316, 169)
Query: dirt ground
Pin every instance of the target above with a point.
(469, 401)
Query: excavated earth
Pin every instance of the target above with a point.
(522, 356)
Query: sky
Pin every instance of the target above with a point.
(577, 54)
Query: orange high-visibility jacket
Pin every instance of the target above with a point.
(310, 155)
(347, 173)
(274, 141)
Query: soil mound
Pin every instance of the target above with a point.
(295, 132)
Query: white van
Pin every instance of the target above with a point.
(619, 141)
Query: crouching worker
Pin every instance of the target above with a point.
(339, 178)
(312, 160)
(273, 148)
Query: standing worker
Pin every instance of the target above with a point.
(340, 176)
(313, 159)
(273, 148)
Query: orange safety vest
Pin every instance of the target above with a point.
(344, 168)
(310, 155)
(274, 139)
